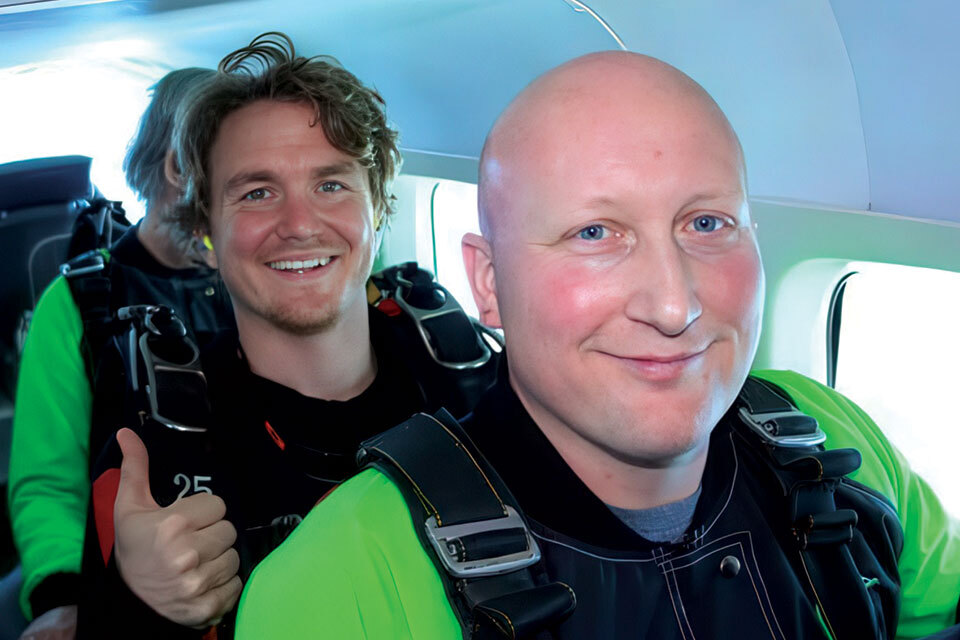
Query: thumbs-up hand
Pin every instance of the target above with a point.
(178, 559)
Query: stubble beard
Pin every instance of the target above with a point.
(296, 322)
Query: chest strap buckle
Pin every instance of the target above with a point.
(484, 547)
(785, 428)
(775, 419)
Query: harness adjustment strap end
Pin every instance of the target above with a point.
(833, 527)
(491, 544)
(525, 613)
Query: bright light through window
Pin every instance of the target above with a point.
(449, 209)
(899, 359)
(84, 107)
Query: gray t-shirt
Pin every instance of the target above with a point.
(666, 523)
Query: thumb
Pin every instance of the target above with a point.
(134, 487)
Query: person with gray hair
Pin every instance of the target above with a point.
(72, 377)
(146, 167)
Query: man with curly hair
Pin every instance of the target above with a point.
(285, 163)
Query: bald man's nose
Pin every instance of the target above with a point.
(662, 291)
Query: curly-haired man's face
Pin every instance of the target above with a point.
(291, 219)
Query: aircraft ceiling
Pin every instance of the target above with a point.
(851, 104)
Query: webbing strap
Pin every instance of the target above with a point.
(809, 477)
(479, 541)
(89, 281)
(450, 484)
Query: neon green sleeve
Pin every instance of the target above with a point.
(354, 568)
(49, 485)
(930, 561)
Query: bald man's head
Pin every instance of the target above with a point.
(585, 97)
(619, 257)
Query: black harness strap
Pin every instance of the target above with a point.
(87, 271)
(89, 280)
(472, 527)
(790, 444)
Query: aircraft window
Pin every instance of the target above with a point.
(897, 352)
(76, 107)
(446, 209)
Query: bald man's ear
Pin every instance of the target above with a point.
(478, 259)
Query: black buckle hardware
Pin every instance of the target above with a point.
(172, 361)
(446, 542)
(89, 262)
(784, 428)
(421, 316)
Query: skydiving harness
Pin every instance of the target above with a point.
(490, 563)
(471, 527)
(462, 354)
(451, 356)
(161, 361)
(169, 372)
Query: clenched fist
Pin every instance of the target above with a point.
(178, 559)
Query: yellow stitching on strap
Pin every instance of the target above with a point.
(513, 632)
(423, 498)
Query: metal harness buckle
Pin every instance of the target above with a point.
(91, 262)
(419, 316)
(443, 540)
(768, 426)
(162, 322)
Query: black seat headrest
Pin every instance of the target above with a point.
(29, 183)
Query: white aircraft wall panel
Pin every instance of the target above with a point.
(906, 60)
(780, 72)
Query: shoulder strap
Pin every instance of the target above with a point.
(472, 528)
(789, 442)
(453, 355)
(87, 272)
(100, 223)
(89, 278)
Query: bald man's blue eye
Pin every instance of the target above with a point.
(706, 223)
(593, 232)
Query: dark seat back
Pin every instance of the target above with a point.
(39, 202)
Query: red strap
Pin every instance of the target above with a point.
(104, 496)
(275, 436)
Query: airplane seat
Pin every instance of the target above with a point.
(39, 202)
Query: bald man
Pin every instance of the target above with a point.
(664, 493)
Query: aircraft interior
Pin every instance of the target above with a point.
(847, 111)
